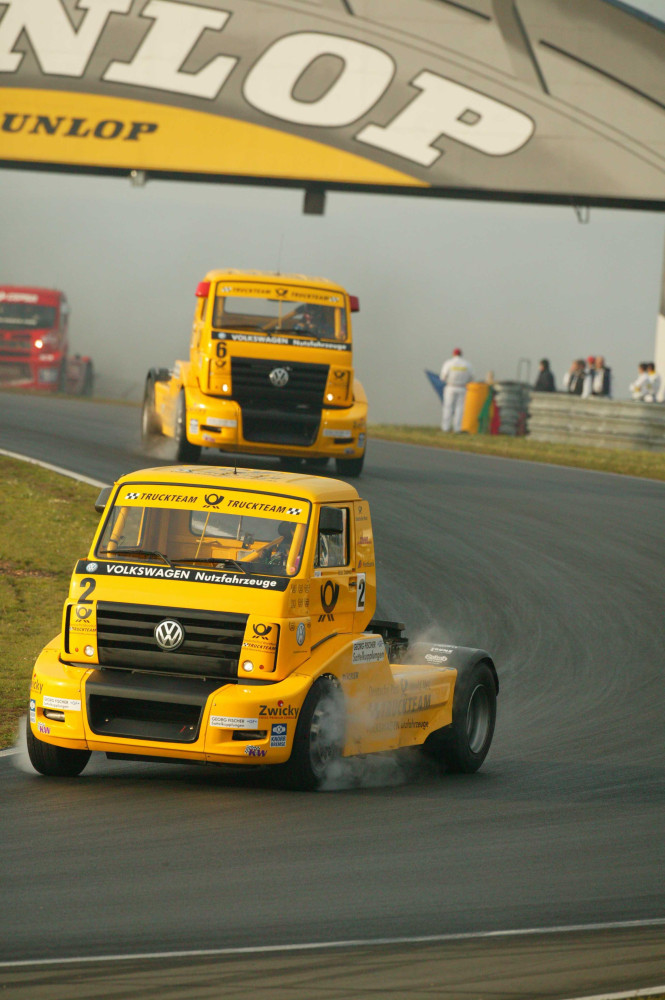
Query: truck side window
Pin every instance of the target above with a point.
(332, 545)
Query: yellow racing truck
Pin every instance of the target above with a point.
(227, 617)
(270, 372)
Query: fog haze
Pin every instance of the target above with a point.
(507, 283)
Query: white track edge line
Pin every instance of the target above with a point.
(53, 468)
(330, 945)
(628, 995)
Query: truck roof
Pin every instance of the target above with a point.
(27, 293)
(273, 276)
(316, 489)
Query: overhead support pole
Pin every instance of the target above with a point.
(314, 202)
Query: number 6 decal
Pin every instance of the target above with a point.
(360, 592)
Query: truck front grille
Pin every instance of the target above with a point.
(279, 414)
(211, 645)
(14, 372)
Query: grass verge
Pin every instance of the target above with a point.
(647, 464)
(46, 523)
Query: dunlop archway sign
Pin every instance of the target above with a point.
(551, 100)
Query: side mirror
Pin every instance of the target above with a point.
(331, 521)
(103, 499)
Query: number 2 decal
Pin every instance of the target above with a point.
(360, 592)
(88, 583)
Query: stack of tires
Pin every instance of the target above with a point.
(512, 401)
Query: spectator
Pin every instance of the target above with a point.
(602, 379)
(545, 380)
(573, 380)
(654, 377)
(587, 383)
(640, 389)
(456, 373)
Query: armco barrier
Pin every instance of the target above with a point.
(603, 423)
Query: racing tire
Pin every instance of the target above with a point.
(463, 746)
(349, 468)
(185, 450)
(319, 737)
(58, 762)
(151, 425)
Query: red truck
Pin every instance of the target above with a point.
(34, 345)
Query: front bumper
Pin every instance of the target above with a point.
(119, 712)
(214, 422)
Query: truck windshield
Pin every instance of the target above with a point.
(26, 316)
(253, 545)
(280, 316)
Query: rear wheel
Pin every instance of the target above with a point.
(319, 737)
(350, 467)
(58, 762)
(463, 745)
(185, 451)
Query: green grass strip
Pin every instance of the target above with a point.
(647, 464)
(46, 522)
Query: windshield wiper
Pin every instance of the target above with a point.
(216, 561)
(135, 551)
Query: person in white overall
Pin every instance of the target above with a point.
(456, 373)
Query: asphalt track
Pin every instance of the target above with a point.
(558, 573)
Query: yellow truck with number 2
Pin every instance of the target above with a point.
(226, 616)
(270, 372)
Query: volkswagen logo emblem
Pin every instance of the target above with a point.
(169, 634)
(279, 377)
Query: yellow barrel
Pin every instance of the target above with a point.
(476, 394)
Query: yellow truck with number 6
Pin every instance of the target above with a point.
(270, 372)
(227, 617)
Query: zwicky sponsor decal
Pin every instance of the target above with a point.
(366, 95)
(280, 710)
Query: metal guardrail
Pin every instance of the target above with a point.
(604, 423)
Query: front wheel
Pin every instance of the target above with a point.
(319, 737)
(151, 425)
(349, 468)
(463, 745)
(185, 450)
(53, 761)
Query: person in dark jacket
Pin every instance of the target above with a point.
(545, 380)
(573, 380)
(602, 379)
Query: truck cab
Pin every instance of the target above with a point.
(270, 372)
(226, 617)
(34, 342)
